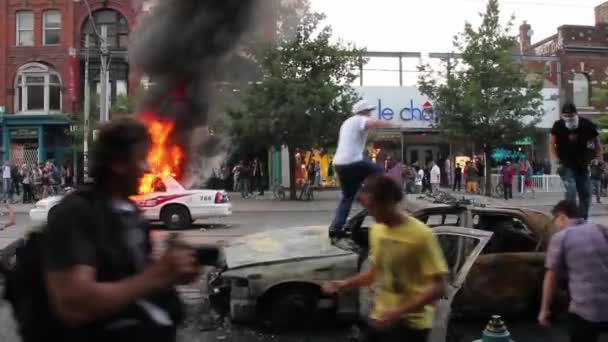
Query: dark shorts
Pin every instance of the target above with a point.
(583, 330)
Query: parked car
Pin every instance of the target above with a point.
(276, 275)
(170, 203)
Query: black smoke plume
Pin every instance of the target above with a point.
(180, 46)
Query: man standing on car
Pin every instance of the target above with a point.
(579, 251)
(352, 169)
(407, 265)
(574, 142)
(101, 279)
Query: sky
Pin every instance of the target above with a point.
(429, 25)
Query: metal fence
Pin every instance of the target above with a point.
(542, 183)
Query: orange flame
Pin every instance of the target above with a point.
(165, 158)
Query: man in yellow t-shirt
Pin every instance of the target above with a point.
(407, 266)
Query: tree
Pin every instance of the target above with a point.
(305, 91)
(485, 97)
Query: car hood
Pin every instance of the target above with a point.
(280, 245)
(50, 201)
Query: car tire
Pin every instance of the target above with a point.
(291, 307)
(176, 217)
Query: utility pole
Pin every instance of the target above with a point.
(103, 76)
(87, 110)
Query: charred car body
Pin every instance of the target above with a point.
(276, 275)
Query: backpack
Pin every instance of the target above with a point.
(25, 287)
(26, 292)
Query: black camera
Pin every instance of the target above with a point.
(208, 255)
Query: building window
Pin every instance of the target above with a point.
(52, 27)
(580, 90)
(111, 25)
(25, 28)
(37, 90)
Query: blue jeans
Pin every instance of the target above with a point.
(6, 187)
(351, 177)
(577, 181)
(596, 186)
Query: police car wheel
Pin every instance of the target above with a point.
(176, 217)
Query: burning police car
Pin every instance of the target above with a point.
(168, 202)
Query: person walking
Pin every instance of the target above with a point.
(457, 178)
(419, 179)
(426, 180)
(318, 176)
(435, 175)
(596, 174)
(6, 181)
(15, 180)
(258, 177)
(472, 178)
(527, 174)
(26, 182)
(103, 281)
(37, 182)
(236, 170)
(481, 171)
(507, 174)
(407, 268)
(245, 179)
(578, 252)
(574, 142)
(351, 168)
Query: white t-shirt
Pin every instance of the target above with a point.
(435, 175)
(351, 142)
(419, 177)
(6, 172)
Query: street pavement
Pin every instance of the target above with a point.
(265, 213)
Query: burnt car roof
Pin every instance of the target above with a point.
(538, 222)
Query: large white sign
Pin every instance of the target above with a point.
(401, 104)
(413, 110)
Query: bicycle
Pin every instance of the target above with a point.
(278, 191)
(307, 192)
(499, 190)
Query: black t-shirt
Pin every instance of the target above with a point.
(575, 148)
(113, 238)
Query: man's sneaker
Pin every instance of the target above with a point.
(335, 233)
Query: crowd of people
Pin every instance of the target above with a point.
(30, 182)
(249, 177)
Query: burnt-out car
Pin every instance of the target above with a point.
(276, 276)
(507, 277)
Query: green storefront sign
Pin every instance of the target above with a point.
(524, 141)
(23, 133)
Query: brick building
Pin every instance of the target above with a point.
(42, 53)
(583, 55)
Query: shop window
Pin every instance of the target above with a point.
(580, 89)
(37, 89)
(25, 28)
(52, 27)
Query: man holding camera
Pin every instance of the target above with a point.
(574, 142)
(103, 283)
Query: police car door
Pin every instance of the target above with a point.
(461, 247)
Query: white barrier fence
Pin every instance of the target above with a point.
(541, 183)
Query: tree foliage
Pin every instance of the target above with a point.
(485, 97)
(305, 88)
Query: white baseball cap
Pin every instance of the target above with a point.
(362, 106)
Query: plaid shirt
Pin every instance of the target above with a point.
(581, 252)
